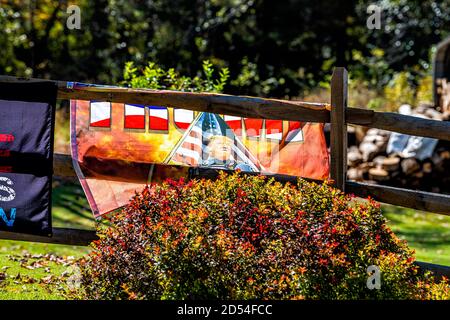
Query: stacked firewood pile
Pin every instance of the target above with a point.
(370, 160)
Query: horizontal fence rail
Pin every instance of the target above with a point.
(63, 166)
(338, 114)
(240, 106)
(390, 121)
(67, 236)
(247, 107)
(419, 200)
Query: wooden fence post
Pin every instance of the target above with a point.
(338, 132)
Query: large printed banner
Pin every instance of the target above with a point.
(26, 156)
(117, 148)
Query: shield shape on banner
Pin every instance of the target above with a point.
(210, 142)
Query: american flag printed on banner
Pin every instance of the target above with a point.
(118, 148)
(209, 142)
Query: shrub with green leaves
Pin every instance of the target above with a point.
(154, 77)
(249, 237)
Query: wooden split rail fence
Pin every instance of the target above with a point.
(338, 114)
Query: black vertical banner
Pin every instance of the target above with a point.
(27, 118)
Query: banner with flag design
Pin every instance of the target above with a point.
(210, 142)
(117, 148)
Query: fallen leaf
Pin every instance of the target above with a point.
(28, 280)
(47, 279)
(66, 273)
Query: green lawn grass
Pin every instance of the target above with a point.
(70, 209)
(428, 234)
(41, 282)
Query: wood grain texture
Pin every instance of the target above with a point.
(240, 106)
(419, 200)
(75, 237)
(63, 166)
(400, 123)
(247, 107)
(338, 133)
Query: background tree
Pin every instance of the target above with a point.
(272, 48)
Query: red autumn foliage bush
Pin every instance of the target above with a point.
(248, 237)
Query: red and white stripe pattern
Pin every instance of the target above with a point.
(100, 114)
(159, 118)
(191, 150)
(274, 129)
(234, 123)
(183, 118)
(253, 127)
(134, 116)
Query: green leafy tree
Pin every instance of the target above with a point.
(270, 48)
(154, 77)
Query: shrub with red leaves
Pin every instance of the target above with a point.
(248, 237)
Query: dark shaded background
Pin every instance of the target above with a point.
(272, 48)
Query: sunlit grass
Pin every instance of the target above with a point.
(70, 209)
(14, 286)
(427, 233)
